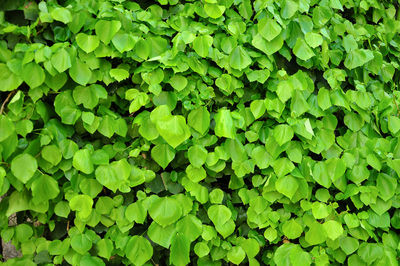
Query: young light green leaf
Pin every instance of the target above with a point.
(87, 43)
(23, 167)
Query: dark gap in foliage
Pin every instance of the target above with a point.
(144, 4)
(16, 17)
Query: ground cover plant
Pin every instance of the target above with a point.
(212, 132)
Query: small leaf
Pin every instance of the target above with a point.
(87, 43)
(202, 44)
(138, 250)
(302, 50)
(23, 167)
(165, 211)
(82, 161)
(163, 154)
(268, 28)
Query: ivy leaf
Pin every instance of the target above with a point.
(202, 44)
(165, 211)
(287, 185)
(163, 154)
(283, 134)
(45, 188)
(80, 72)
(87, 43)
(173, 129)
(199, 120)
(239, 58)
(333, 229)
(82, 161)
(224, 126)
(302, 50)
(33, 75)
(23, 167)
(269, 28)
(81, 243)
(83, 204)
(138, 250)
(61, 60)
(61, 14)
(214, 11)
(180, 249)
(106, 29)
(357, 58)
(8, 80)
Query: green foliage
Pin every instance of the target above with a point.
(200, 132)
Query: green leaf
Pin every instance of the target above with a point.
(394, 124)
(165, 211)
(257, 108)
(292, 229)
(219, 214)
(324, 100)
(80, 72)
(6, 127)
(320, 210)
(61, 14)
(106, 30)
(8, 80)
(62, 209)
(81, 243)
(138, 250)
(333, 229)
(199, 119)
(268, 28)
(124, 42)
(239, 58)
(224, 126)
(119, 74)
(190, 226)
(105, 248)
(202, 44)
(284, 90)
(316, 235)
(302, 50)
(178, 82)
(87, 43)
(197, 155)
(33, 75)
(163, 154)
(23, 167)
(180, 249)
(173, 129)
(136, 212)
(386, 186)
(52, 154)
(82, 204)
(283, 134)
(61, 60)
(214, 11)
(236, 255)
(45, 188)
(113, 175)
(161, 235)
(287, 185)
(313, 39)
(349, 245)
(82, 161)
(357, 58)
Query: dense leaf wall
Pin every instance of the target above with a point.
(205, 132)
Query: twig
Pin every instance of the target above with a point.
(5, 101)
(163, 181)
